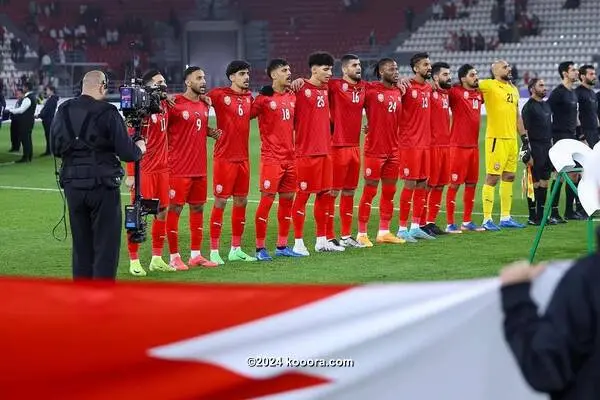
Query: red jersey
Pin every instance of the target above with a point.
(154, 130)
(415, 123)
(313, 131)
(276, 124)
(187, 129)
(440, 118)
(466, 116)
(346, 101)
(233, 119)
(384, 107)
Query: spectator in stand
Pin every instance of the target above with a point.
(572, 4)
(436, 10)
(410, 17)
(479, 42)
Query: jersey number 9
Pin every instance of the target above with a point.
(198, 124)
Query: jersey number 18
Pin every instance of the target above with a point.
(285, 114)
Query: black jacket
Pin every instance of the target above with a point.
(559, 352)
(49, 109)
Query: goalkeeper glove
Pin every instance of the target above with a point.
(525, 153)
(266, 90)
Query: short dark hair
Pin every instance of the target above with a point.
(463, 71)
(236, 66)
(584, 69)
(346, 58)
(190, 70)
(437, 67)
(148, 75)
(564, 67)
(52, 88)
(380, 64)
(26, 86)
(274, 64)
(414, 60)
(532, 84)
(319, 59)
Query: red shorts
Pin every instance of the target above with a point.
(187, 190)
(231, 178)
(464, 166)
(155, 185)
(377, 168)
(315, 174)
(439, 166)
(278, 178)
(414, 164)
(346, 167)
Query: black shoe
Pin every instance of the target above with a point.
(574, 216)
(436, 230)
(559, 219)
(582, 214)
(533, 222)
(13, 151)
(427, 229)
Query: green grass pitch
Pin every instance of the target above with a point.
(31, 206)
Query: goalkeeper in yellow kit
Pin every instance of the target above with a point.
(501, 99)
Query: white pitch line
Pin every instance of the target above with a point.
(211, 199)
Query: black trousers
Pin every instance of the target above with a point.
(25, 136)
(96, 218)
(15, 140)
(47, 124)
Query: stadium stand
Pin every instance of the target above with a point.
(565, 34)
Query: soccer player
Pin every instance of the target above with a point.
(465, 103)
(187, 130)
(537, 119)
(588, 105)
(313, 154)
(383, 105)
(565, 119)
(347, 99)
(274, 107)
(154, 174)
(231, 168)
(501, 98)
(415, 142)
(439, 165)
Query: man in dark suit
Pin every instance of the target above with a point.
(15, 142)
(47, 114)
(24, 116)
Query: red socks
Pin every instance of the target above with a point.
(159, 231)
(261, 219)
(320, 212)
(133, 249)
(434, 204)
(469, 200)
(419, 198)
(364, 207)
(238, 220)
(386, 206)
(405, 202)
(299, 213)
(346, 214)
(330, 216)
(284, 217)
(196, 226)
(450, 204)
(216, 224)
(172, 231)
(423, 217)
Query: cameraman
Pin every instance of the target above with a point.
(154, 174)
(90, 136)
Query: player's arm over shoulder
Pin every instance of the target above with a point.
(257, 106)
(485, 85)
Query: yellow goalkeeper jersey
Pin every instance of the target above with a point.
(501, 105)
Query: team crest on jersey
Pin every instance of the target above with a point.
(454, 177)
(466, 94)
(154, 118)
(380, 97)
(414, 94)
(307, 92)
(303, 185)
(406, 172)
(219, 188)
(435, 95)
(273, 105)
(267, 184)
(497, 167)
(186, 115)
(227, 100)
(345, 87)
(172, 194)
(368, 172)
